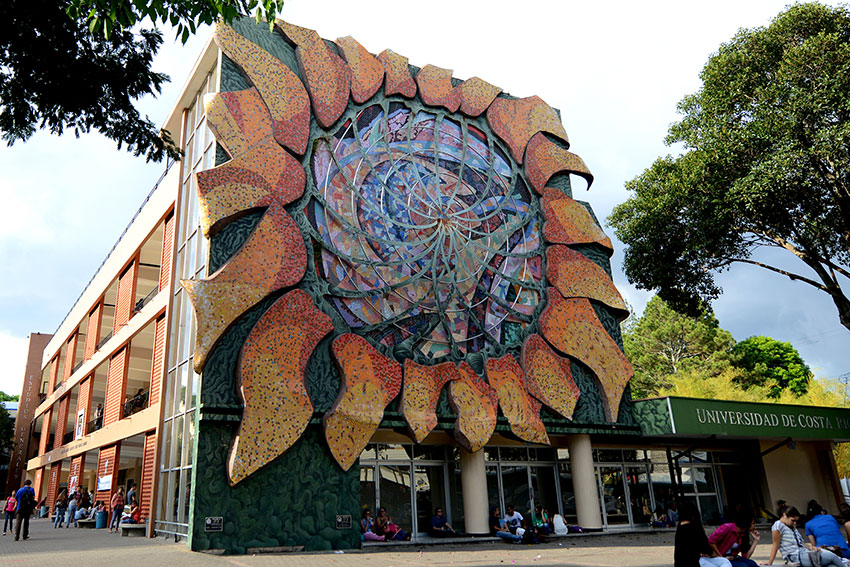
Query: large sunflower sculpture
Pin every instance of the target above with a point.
(447, 257)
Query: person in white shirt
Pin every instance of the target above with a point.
(513, 519)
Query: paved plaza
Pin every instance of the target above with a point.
(48, 547)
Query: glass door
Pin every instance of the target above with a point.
(612, 492)
(430, 482)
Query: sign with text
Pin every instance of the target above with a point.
(744, 419)
(104, 482)
(214, 524)
(79, 431)
(343, 521)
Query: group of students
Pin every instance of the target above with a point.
(513, 527)
(381, 528)
(67, 508)
(732, 544)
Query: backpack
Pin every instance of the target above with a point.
(27, 503)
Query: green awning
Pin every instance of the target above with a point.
(690, 417)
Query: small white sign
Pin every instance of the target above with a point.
(81, 424)
(104, 482)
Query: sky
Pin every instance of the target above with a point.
(615, 70)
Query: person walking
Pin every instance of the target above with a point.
(60, 506)
(117, 504)
(9, 512)
(26, 504)
(73, 505)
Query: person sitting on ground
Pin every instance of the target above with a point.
(541, 521)
(659, 517)
(498, 528)
(559, 525)
(384, 526)
(440, 525)
(82, 514)
(691, 547)
(513, 519)
(367, 527)
(736, 540)
(825, 532)
(672, 515)
(789, 543)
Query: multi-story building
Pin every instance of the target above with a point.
(372, 287)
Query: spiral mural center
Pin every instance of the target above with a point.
(428, 235)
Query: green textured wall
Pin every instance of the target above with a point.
(294, 500)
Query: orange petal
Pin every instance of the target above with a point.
(515, 121)
(327, 76)
(265, 174)
(271, 380)
(435, 87)
(549, 376)
(476, 95)
(273, 257)
(397, 71)
(571, 325)
(569, 222)
(574, 275)
(544, 158)
(367, 73)
(239, 120)
(370, 381)
(476, 405)
(521, 410)
(281, 89)
(422, 387)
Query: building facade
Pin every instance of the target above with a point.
(368, 284)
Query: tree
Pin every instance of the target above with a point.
(4, 397)
(766, 164)
(7, 431)
(662, 344)
(77, 65)
(765, 360)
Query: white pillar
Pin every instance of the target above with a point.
(584, 482)
(474, 483)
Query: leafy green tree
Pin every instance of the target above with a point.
(79, 65)
(766, 164)
(4, 397)
(7, 431)
(768, 361)
(663, 344)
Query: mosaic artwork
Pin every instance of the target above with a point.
(271, 379)
(420, 393)
(409, 216)
(549, 376)
(520, 408)
(572, 327)
(370, 381)
(476, 405)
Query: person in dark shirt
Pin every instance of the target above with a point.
(691, 545)
(440, 525)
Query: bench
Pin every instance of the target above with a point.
(88, 524)
(133, 529)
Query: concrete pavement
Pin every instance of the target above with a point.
(48, 547)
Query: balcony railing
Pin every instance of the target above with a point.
(136, 404)
(104, 340)
(140, 304)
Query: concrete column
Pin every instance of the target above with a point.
(584, 482)
(474, 483)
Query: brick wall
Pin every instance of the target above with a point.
(84, 402)
(167, 247)
(107, 464)
(93, 331)
(146, 488)
(116, 383)
(126, 296)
